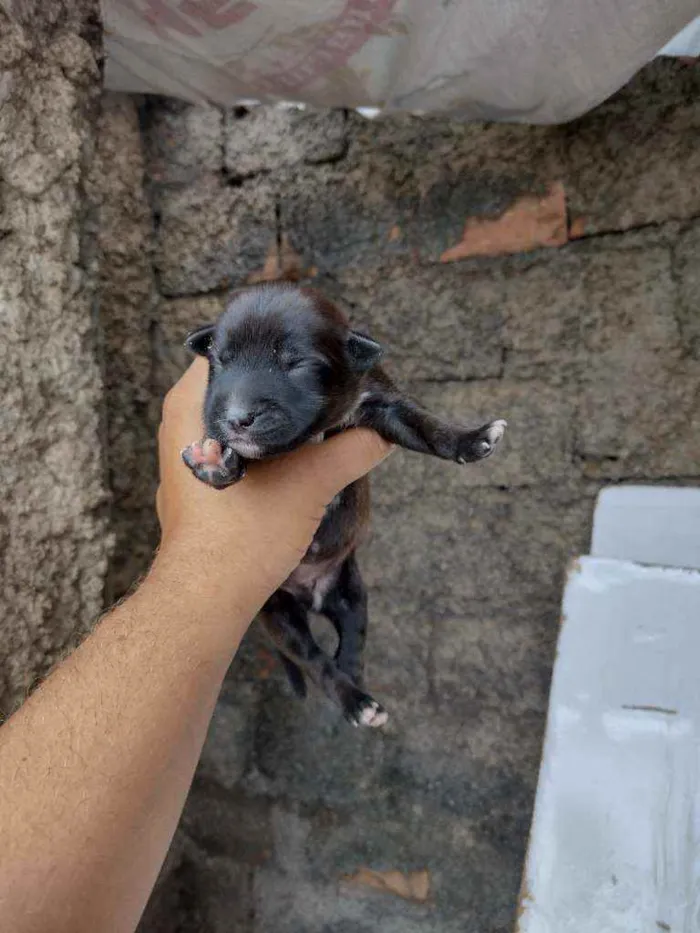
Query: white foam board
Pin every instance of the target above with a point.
(615, 840)
(686, 42)
(648, 524)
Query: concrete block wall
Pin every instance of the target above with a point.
(580, 329)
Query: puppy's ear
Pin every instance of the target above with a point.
(364, 352)
(199, 341)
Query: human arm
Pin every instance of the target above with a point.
(96, 765)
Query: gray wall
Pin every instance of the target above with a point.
(589, 348)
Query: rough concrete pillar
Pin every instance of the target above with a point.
(128, 300)
(53, 544)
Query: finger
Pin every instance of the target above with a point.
(182, 412)
(195, 374)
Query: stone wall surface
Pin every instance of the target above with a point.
(54, 533)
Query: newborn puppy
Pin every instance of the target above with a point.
(285, 369)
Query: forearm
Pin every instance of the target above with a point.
(101, 757)
(95, 767)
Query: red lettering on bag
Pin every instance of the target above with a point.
(343, 38)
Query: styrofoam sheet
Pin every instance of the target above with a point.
(687, 42)
(615, 841)
(648, 524)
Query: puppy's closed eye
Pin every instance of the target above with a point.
(289, 362)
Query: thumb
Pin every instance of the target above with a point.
(339, 461)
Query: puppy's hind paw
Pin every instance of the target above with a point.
(361, 710)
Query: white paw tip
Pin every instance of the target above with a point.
(496, 430)
(373, 715)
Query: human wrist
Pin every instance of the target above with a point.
(221, 590)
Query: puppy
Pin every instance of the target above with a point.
(285, 369)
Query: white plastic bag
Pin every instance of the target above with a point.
(536, 61)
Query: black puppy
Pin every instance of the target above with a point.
(284, 369)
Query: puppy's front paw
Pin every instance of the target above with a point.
(213, 465)
(479, 444)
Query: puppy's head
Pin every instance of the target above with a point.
(283, 367)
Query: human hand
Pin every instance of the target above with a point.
(263, 525)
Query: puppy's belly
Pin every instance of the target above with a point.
(311, 581)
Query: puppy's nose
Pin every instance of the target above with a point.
(240, 419)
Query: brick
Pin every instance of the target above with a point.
(398, 651)
(617, 295)
(530, 223)
(227, 749)
(538, 443)
(318, 209)
(434, 323)
(639, 417)
(269, 139)
(544, 306)
(228, 823)
(465, 178)
(213, 235)
(213, 894)
(168, 898)
(635, 159)
(440, 812)
(176, 318)
(498, 549)
(305, 751)
(226, 892)
(631, 302)
(421, 211)
(285, 904)
(495, 661)
(182, 141)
